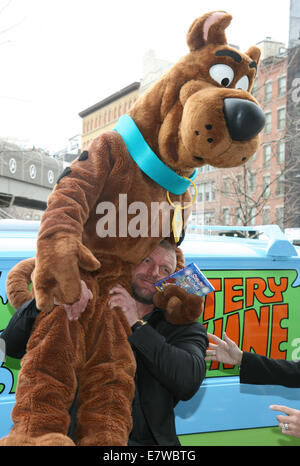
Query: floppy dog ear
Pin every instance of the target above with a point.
(209, 29)
(254, 53)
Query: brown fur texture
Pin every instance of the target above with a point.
(181, 307)
(182, 120)
(18, 281)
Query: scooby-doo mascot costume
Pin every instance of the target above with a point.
(200, 112)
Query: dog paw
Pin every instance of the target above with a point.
(181, 307)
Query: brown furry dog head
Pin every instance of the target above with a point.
(201, 111)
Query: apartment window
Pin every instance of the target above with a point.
(279, 216)
(280, 185)
(266, 216)
(238, 215)
(268, 91)
(281, 118)
(200, 218)
(206, 192)
(210, 192)
(194, 218)
(227, 186)
(209, 218)
(252, 216)
(282, 86)
(268, 125)
(266, 187)
(199, 193)
(226, 216)
(280, 152)
(267, 155)
(252, 182)
(255, 86)
(239, 184)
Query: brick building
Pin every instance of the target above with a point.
(104, 114)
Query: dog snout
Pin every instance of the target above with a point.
(244, 119)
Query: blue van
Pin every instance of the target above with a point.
(256, 301)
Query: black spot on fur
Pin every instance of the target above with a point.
(66, 172)
(83, 156)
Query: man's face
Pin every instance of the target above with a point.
(159, 264)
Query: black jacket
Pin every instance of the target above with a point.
(17, 333)
(170, 364)
(260, 370)
(170, 368)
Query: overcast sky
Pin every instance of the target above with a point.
(58, 57)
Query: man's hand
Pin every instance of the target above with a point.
(121, 298)
(225, 351)
(76, 309)
(289, 423)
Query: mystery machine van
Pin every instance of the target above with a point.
(256, 301)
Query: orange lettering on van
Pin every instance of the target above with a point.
(231, 293)
(256, 329)
(210, 300)
(279, 334)
(255, 287)
(278, 290)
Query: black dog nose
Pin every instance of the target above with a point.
(244, 119)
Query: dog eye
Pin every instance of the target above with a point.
(243, 83)
(223, 74)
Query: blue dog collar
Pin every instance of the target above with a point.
(147, 160)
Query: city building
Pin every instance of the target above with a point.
(103, 115)
(72, 150)
(27, 177)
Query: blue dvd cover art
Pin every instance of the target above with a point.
(190, 278)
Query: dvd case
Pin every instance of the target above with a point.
(190, 278)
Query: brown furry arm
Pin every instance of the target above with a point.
(60, 251)
(76, 192)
